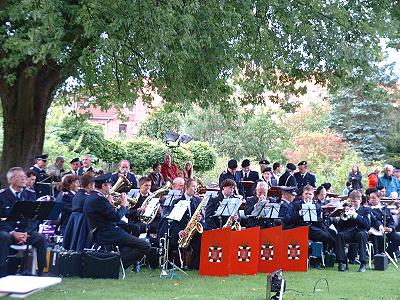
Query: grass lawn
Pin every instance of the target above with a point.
(148, 285)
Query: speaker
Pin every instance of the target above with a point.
(380, 262)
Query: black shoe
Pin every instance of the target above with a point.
(341, 267)
(363, 268)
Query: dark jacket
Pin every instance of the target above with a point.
(41, 177)
(361, 223)
(212, 222)
(302, 181)
(252, 176)
(80, 170)
(355, 179)
(131, 177)
(287, 179)
(235, 177)
(157, 181)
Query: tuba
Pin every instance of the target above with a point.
(122, 182)
(148, 219)
(192, 227)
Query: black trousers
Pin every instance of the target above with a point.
(358, 237)
(190, 256)
(393, 240)
(321, 235)
(35, 239)
(132, 249)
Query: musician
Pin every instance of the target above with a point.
(30, 183)
(124, 169)
(75, 165)
(134, 212)
(18, 232)
(388, 181)
(157, 179)
(178, 228)
(384, 226)
(287, 178)
(267, 177)
(303, 177)
(169, 169)
(70, 186)
(86, 165)
(317, 229)
(246, 174)
(276, 170)
(231, 173)
(353, 230)
(227, 190)
(320, 195)
(261, 195)
(263, 164)
(286, 210)
(43, 181)
(56, 170)
(76, 235)
(103, 217)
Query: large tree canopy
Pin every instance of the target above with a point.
(189, 51)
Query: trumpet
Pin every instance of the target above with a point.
(117, 199)
(347, 213)
(231, 222)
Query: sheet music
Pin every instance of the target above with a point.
(171, 196)
(211, 194)
(150, 207)
(258, 208)
(228, 207)
(179, 210)
(309, 212)
(271, 211)
(133, 193)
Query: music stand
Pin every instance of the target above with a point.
(30, 211)
(269, 213)
(247, 185)
(309, 212)
(225, 208)
(384, 237)
(45, 183)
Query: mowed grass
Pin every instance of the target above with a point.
(148, 285)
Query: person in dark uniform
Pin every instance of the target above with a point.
(30, 184)
(70, 186)
(286, 210)
(287, 178)
(76, 235)
(246, 174)
(177, 228)
(18, 232)
(260, 195)
(232, 174)
(75, 165)
(267, 177)
(227, 189)
(353, 228)
(157, 179)
(134, 212)
(276, 170)
(125, 170)
(103, 218)
(317, 232)
(263, 164)
(43, 180)
(86, 165)
(384, 224)
(303, 177)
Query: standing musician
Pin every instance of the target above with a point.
(43, 181)
(18, 232)
(303, 177)
(263, 164)
(287, 178)
(317, 230)
(261, 195)
(227, 190)
(267, 177)
(177, 228)
(157, 179)
(134, 212)
(75, 165)
(246, 174)
(385, 227)
(86, 165)
(103, 218)
(231, 173)
(124, 168)
(352, 227)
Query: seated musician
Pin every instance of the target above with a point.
(212, 222)
(76, 236)
(352, 227)
(317, 232)
(70, 185)
(124, 168)
(320, 195)
(178, 184)
(86, 166)
(18, 232)
(157, 179)
(134, 212)
(30, 183)
(384, 226)
(177, 230)
(42, 184)
(286, 211)
(268, 177)
(261, 195)
(103, 218)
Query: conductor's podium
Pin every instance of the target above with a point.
(251, 251)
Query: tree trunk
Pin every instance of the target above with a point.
(25, 105)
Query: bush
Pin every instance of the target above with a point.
(204, 156)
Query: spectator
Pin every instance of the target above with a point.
(355, 178)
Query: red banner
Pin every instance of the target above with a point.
(270, 250)
(245, 251)
(215, 252)
(295, 249)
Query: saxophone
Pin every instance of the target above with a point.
(235, 225)
(192, 227)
